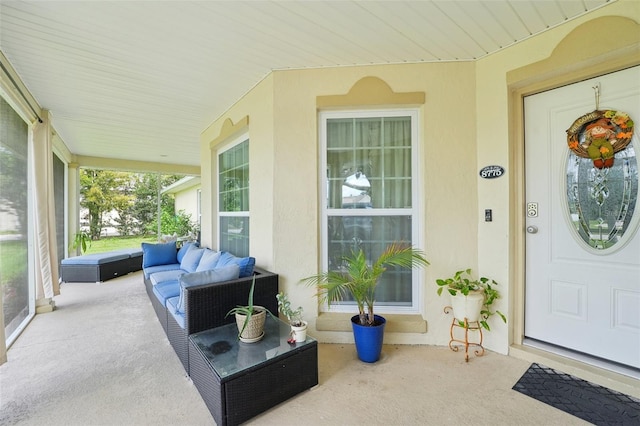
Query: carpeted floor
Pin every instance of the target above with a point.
(101, 358)
(593, 403)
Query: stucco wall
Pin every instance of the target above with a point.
(465, 126)
(289, 190)
(257, 106)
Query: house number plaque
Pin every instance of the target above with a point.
(491, 172)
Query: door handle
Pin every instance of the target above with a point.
(532, 229)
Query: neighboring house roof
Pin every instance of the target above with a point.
(183, 184)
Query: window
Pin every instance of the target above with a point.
(233, 202)
(15, 283)
(369, 196)
(59, 185)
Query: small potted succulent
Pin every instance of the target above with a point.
(298, 325)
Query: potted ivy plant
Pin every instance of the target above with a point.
(294, 316)
(358, 277)
(250, 319)
(471, 299)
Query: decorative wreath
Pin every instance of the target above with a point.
(605, 133)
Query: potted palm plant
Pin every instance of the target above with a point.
(294, 316)
(250, 319)
(471, 299)
(358, 277)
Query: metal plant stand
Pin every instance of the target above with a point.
(455, 344)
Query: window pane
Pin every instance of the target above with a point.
(234, 235)
(383, 165)
(368, 132)
(373, 234)
(397, 131)
(14, 274)
(339, 133)
(234, 179)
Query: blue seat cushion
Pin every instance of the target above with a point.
(131, 252)
(172, 304)
(159, 254)
(95, 259)
(148, 271)
(246, 263)
(226, 273)
(191, 259)
(162, 276)
(166, 290)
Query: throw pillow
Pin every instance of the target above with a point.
(246, 263)
(208, 260)
(185, 248)
(158, 254)
(191, 259)
(217, 275)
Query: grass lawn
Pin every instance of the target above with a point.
(115, 243)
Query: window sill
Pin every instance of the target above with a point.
(396, 323)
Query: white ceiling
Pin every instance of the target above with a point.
(140, 80)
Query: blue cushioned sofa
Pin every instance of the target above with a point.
(193, 288)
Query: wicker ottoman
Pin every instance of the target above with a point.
(238, 381)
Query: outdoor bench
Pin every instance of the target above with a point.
(98, 267)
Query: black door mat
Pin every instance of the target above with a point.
(590, 402)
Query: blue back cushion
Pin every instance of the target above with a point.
(217, 275)
(208, 261)
(185, 248)
(191, 259)
(158, 254)
(246, 264)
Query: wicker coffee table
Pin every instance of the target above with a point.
(239, 380)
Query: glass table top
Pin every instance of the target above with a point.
(227, 355)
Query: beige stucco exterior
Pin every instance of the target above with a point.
(469, 119)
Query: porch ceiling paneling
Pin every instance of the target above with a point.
(141, 80)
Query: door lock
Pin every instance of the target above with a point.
(532, 229)
(532, 209)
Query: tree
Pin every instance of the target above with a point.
(101, 191)
(145, 205)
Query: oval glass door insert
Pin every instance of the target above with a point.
(602, 201)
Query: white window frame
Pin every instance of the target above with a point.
(244, 137)
(415, 211)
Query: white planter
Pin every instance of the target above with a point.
(300, 333)
(467, 307)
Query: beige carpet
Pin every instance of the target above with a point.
(101, 358)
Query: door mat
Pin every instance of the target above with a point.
(590, 402)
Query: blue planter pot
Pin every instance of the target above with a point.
(368, 338)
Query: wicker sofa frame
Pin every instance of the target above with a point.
(206, 307)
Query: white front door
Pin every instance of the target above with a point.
(582, 241)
